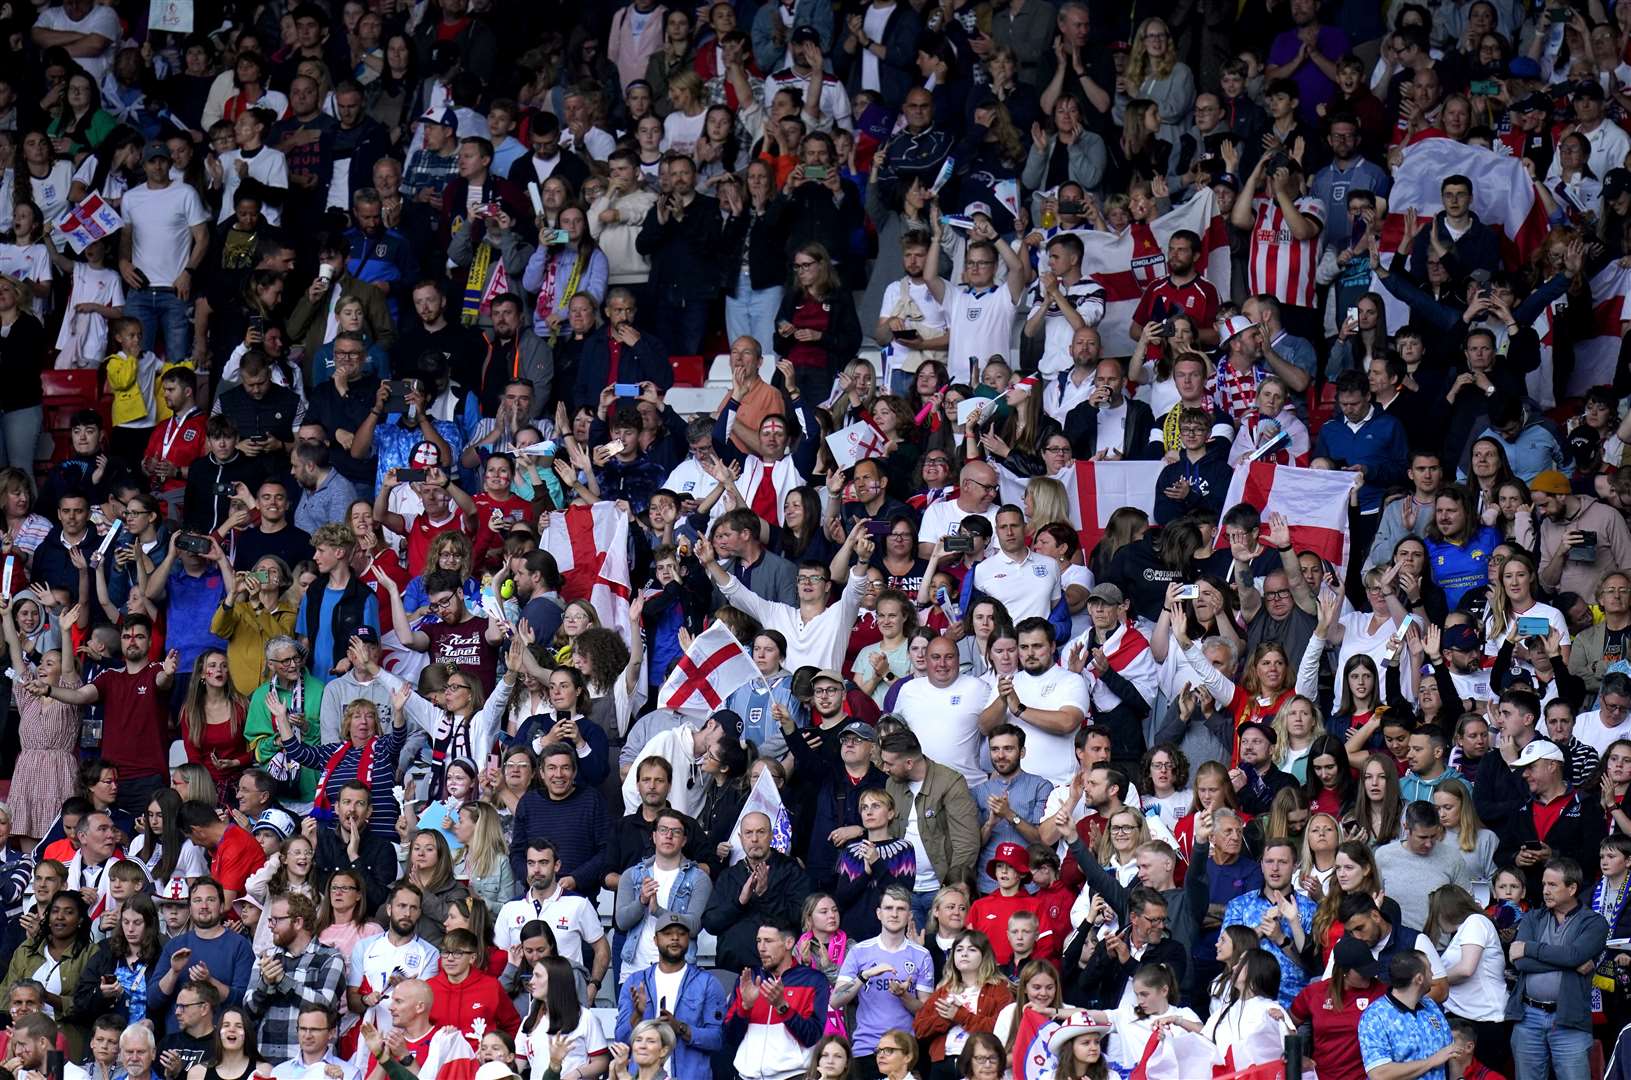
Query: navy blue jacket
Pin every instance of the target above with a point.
(1379, 445)
(579, 828)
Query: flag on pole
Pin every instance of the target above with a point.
(1503, 196)
(857, 442)
(1313, 501)
(591, 548)
(89, 222)
(1124, 264)
(764, 799)
(713, 668)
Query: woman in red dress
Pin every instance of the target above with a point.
(212, 722)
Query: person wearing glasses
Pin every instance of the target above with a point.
(314, 1052)
(295, 692)
(977, 492)
(191, 1037)
(980, 313)
(298, 974)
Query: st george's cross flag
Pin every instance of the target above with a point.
(591, 549)
(856, 442)
(1314, 503)
(713, 668)
(1100, 488)
(1124, 264)
(764, 799)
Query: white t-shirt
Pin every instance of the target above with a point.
(1482, 996)
(1027, 586)
(101, 19)
(1076, 574)
(981, 325)
(645, 952)
(947, 721)
(113, 187)
(927, 879)
(1048, 754)
(1590, 729)
(373, 962)
(689, 480)
(51, 194)
(681, 132)
(944, 516)
(571, 919)
(1356, 639)
(874, 22)
(30, 262)
(160, 220)
(587, 1040)
(269, 166)
(1494, 636)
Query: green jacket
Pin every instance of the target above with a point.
(947, 821)
(262, 739)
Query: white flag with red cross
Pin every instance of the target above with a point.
(591, 549)
(857, 442)
(1314, 503)
(713, 668)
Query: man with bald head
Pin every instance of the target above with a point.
(976, 496)
(1106, 424)
(412, 1034)
(943, 710)
(766, 887)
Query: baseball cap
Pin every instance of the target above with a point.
(1522, 67)
(366, 634)
(1536, 102)
(1463, 636)
(1228, 180)
(806, 35)
(860, 730)
(977, 208)
(1551, 481)
(829, 674)
(279, 821)
(675, 918)
(154, 150)
(1256, 725)
(1589, 88)
(1616, 183)
(445, 117)
(1105, 593)
(1539, 750)
(496, 1070)
(1010, 854)
(1355, 956)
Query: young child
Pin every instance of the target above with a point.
(131, 373)
(126, 878)
(993, 913)
(665, 613)
(1052, 899)
(24, 256)
(496, 509)
(96, 295)
(102, 1063)
(1023, 928)
(1507, 902)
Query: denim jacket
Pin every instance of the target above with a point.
(689, 896)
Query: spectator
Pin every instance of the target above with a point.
(1552, 1041)
(284, 986)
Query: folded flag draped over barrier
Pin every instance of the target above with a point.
(1125, 264)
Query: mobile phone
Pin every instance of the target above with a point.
(556, 237)
(223, 489)
(257, 322)
(878, 529)
(1533, 626)
(957, 544)
(1353, 314)
(198, 545)
(397, 402)
(615, 447)
(411, 476)
(1559, 14)
(1485, 87)
(815, 172)
(907, 335)
(1531, 845)
(1167, 327)
(1075, 209)
(1588, 537)
(626, 389)
(1187, 592)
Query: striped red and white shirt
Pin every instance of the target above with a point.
(1282, 266)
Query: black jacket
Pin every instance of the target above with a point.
(376, 862)
(646, 361)
(814, 217)
(570, 168)
(684, 251)
(1575, 834)
(837, 804)
(273, 414)
(736, 925)
(1101, 979)
(205, 504)
(764, 236)
(1082, 429)
(841, 339)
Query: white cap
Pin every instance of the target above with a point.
(1539, 750)
(495, 1070)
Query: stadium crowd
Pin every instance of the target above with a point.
(583, 549)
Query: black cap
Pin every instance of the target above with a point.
(806, 35)
(1589, 88)
(1354, 955)
(1616, 183)
(1257, 725)
(366, 634)
(1536, 102)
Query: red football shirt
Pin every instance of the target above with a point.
(1336, 1032)
(236, 857)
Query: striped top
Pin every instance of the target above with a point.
(380, 780)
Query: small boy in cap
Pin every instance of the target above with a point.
(1010, 867)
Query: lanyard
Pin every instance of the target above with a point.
(173, 429)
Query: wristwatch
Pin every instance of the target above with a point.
(1013, 819)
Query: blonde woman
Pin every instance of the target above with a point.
(1318, 863)
(1045, 503)
(1117, 849)
(485, 861)
(1464, 829)
(1155, 73)
(1296, 725)
(257, 608)
(684, 123)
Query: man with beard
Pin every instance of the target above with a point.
(1100, 420)
(1281, 918)
(207, 953)
(572, 814)
(1045, 701)
(944, 710)
(137, 695)
(1284, 609)
(33, 1037)
(349, 845)
(1183, 290)
(572, 918)
(1011, 801)
(633, 834)
(299, 974)
(465, 995)
(680, 994)
(1580, 539)
(383, 966)
(1115, 659)
(191, 1038)
(778, 1009)
(664, 883)
(1257, 779)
